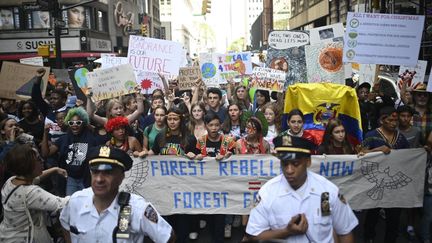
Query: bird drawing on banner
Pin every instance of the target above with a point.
(382, 179)
(136, 176)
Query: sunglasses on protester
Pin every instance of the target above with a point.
(77, 123)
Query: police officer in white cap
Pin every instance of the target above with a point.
(103, 214)
(299, 205)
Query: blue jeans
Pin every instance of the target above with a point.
(427, 217)
(73, 185)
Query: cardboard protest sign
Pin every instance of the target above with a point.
(415, 74)
(267, 79)
(324, 63)
(61, 75)
(284, 39)
(35, 61)
(16, 80)
(234, 64)
(210, 73)
(188, 76)
(287, 53)
(78, 77)
(328, 33)
(375, 38)
(112, 82)
(154, 55)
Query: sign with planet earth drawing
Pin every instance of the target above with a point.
(112, 82)
(210, 73)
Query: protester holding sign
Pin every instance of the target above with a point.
(383, 139)
(233, 125)
(300, 205)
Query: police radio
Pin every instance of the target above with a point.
(121, 231)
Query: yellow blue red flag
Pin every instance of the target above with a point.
(320, 102)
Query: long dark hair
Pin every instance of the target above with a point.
(245, 103)
(327, 146)
(35, 111)
(227, 125)
(184, 131)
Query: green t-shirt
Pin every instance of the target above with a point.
(151, 135)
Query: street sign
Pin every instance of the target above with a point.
(59, 23)
(63, 31)
(133, 32)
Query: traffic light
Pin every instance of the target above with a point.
(206, 7)
(144, 30)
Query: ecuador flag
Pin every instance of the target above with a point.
(320, 102)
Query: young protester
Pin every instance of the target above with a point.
(384, 138)
(274, 120)
(214, 97)
(335, 140)
(241, 97)
(120, 138)
(423, 116)
(219, 146)
(153, 130)
(149, 119)
(253, 142)
(262, 97)
(295, 120)
(413, 136)
(72, 148)
(196, 122)
(233, 125)
(30, 122)
(367, 108)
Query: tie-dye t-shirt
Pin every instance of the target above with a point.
(173, 145)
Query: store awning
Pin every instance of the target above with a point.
(17, 56)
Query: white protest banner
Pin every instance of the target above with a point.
(377, 180)
(112, 82)
(16, 80)
(324, 63)
(35, 61)
(415, 73)
(375, 38)
(233, 64)
(178, 185)
(110, 61)
(154, 55)
(188, 76)
(284, 39)
(268, 79)
(326, 33)
(210, 73)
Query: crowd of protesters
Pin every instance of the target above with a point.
(58, 130)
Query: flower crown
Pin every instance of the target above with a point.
(115, 123)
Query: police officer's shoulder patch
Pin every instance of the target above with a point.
(151, 214)
(342, 198)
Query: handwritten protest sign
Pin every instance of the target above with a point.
(178, 185)
(268, 79)
(148, 81)
(112, 61)
(188, 76)
(284, 39)
(112, 82)
(324, 63)
(35, 61)
(234, 64)
(210, 73)
(16, 80)
(154, 55)
(375, 38)
(417, 73)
